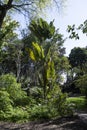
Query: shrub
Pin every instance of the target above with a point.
(40, 112)
(51, 108)
(15, 115)
(19, 115)
(82, 84)
(5, 105)
(61, 106)
(5, 101)
(8, 83)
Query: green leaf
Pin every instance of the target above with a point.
(32, 55)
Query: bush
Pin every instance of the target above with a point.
(54, 107)
(82, 84)
(19, 115)
(40, 112)
(24, 101)
(5, 101)
(8, 83)
(16, 115)
(5, 105)
(61, 106)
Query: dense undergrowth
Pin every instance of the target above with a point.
(16, 106)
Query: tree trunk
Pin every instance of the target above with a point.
(2, 16)
(18, 65)
(3, 11)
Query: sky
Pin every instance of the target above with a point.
(74, 12)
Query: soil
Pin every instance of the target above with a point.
(66, 123)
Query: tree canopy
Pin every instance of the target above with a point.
(25, 7)
(78, 57)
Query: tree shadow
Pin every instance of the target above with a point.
(66, 123)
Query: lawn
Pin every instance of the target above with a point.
(79, 103)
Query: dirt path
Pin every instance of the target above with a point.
(73, 123)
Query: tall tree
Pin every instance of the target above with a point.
(78, 58)
(7, 33)
(10, 48)
(51, 41)
(46, 73)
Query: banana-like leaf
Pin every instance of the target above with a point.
(38, 50)
(36, 46)
(32, 55)
(50, 70)
(37, 53)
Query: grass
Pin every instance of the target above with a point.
(79, 103)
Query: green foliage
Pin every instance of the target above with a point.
(7, 30)
(37, 53)
(40, 112)
(54, 106)
(19, 115)
(61, 105)
(6, 105)
(52, 54)
(5, 101)
(10, 57)
(8, 83)
(78, 61)
(12, 99)
(78, 57)
(72, 31)
(78, 103)
(8, 37)
(14, 115)
(42, 29)
(36, 93)
(46, 75)
(82, 84)
(83, 27)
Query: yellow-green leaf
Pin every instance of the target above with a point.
(32, 56)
